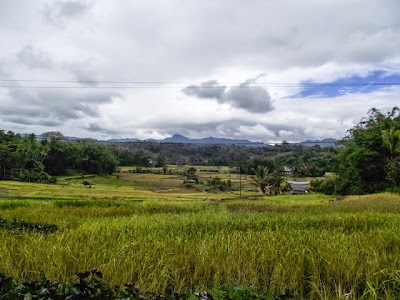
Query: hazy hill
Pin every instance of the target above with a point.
(177, 138)
(323, 143)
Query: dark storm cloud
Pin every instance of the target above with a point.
(94, 127)
(251, 98)
(52, 108)
(207, 90)
(34, 58)
(244, 96)
(59, 12)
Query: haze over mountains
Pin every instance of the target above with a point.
(177, 138)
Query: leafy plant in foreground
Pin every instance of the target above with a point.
(21, 225)
(90, 286)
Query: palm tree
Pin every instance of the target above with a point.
(261, 178)
(391, 140)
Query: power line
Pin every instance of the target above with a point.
(178, 84)
(204, 84)
(178, 87)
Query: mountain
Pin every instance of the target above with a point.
(125, 140)
(177, 138)
(323, 143)
(180, 139)
(39, 137)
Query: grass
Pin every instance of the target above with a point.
(311, 246)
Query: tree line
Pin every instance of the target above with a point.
(368, 162)
(304, 160)
(26, 159)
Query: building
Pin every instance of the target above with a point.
(287, 171)
(298, 187)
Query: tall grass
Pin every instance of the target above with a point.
(311, 247)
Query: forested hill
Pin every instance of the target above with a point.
(28, 159)
(180, 139)
(317, 159)
(176, 138)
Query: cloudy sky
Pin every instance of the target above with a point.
(264, 70)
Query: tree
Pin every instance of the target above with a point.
(53, 136)
(364, 165)
(275, 181)
(191, 173)
(391, 140)
(261, 178)
(160, 161)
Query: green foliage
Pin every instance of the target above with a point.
(53, 136)
(22, 158)
(266, 162)
(261, 179)
(266, 180)
(391, 140)
(326, 187)
(21, 225)
(191, 174)
(220, 184)
(318, 159)
(87, 184)
(88, 286)
(297, 247)
(368, 161)
(131, 157)
(160, 161)
(25, 159)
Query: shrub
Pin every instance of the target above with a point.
(326, 187)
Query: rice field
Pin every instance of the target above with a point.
(307, 247)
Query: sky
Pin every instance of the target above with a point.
(262, 70)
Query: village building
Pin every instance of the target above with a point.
(286, 170)
(298, 187)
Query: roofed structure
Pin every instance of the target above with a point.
(298, 187)
(287, 170)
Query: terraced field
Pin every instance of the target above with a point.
(131, 227)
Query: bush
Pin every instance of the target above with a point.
(326, 187)
(87, 184)
(37, 176)
(21, 225)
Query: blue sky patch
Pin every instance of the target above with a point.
(375, 80)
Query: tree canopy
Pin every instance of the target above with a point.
(370, 160)
(25, 158)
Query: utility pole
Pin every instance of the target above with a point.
(240, 182)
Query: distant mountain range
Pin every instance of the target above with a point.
(177, 138)
(322, 143)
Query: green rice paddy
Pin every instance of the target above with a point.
(166, 237)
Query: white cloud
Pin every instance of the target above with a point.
(160, 41)
(257, 130)
(285, 133)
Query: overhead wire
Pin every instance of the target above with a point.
(92, 84)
